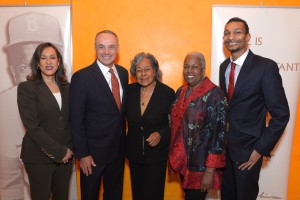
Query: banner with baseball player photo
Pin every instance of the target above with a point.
(22, 29)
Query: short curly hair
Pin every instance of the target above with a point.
(154, 63)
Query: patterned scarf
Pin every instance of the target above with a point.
(179, 108)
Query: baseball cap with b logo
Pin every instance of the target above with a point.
(34, 27)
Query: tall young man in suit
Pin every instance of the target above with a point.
(97, 121)
(257, 89)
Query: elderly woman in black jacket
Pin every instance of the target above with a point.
(148, 134)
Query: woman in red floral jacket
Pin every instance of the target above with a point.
(198, 131)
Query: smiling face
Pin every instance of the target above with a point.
(236, 39)
(145, 73)
(193, 72)
(48, 62)
(106, 46)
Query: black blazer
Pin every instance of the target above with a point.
(155, 118)
(98, 126)
(258, 90)
(47, 126)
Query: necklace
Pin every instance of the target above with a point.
(146, 94)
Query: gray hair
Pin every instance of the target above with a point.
(201, 58)
(154, 64)
(108, 32)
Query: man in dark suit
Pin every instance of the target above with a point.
(254, 87)
(97, 120)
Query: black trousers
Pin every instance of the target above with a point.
(47, 179)
(240, 184)
(112, 175)
(148, 180)
(191, 194)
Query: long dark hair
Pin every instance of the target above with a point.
(60, 75)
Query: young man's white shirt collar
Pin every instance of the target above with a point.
(239, 63)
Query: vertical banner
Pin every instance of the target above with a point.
(274, 34)
(22, 28)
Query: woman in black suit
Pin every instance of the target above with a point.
(148, 134)
(43, 106)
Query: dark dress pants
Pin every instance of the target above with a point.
(112, 175)
(240, 184)
(191, 194)
(148, 180)
(47, 179)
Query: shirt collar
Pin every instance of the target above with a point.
(240, 61)
(104, 68)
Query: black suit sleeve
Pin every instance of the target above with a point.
(78, 101)
(277, 106)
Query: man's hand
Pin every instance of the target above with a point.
(86, 164)
(254, 157)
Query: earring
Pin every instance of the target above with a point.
(38, 67)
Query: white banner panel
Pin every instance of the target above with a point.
(275, 34)
(22, 28)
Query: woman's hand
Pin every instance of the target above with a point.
(67, 157)
(153, 139)
(207, 179)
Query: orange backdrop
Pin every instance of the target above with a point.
(168, 29)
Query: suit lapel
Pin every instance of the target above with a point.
(124, 82)
(153, 99)
(98, 75)
(48, 94)
(239, 85)
(64, 97)
(222, 75)
(135, 100)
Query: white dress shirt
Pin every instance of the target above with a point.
(58, 98)
(105, 71)
(239, 63)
